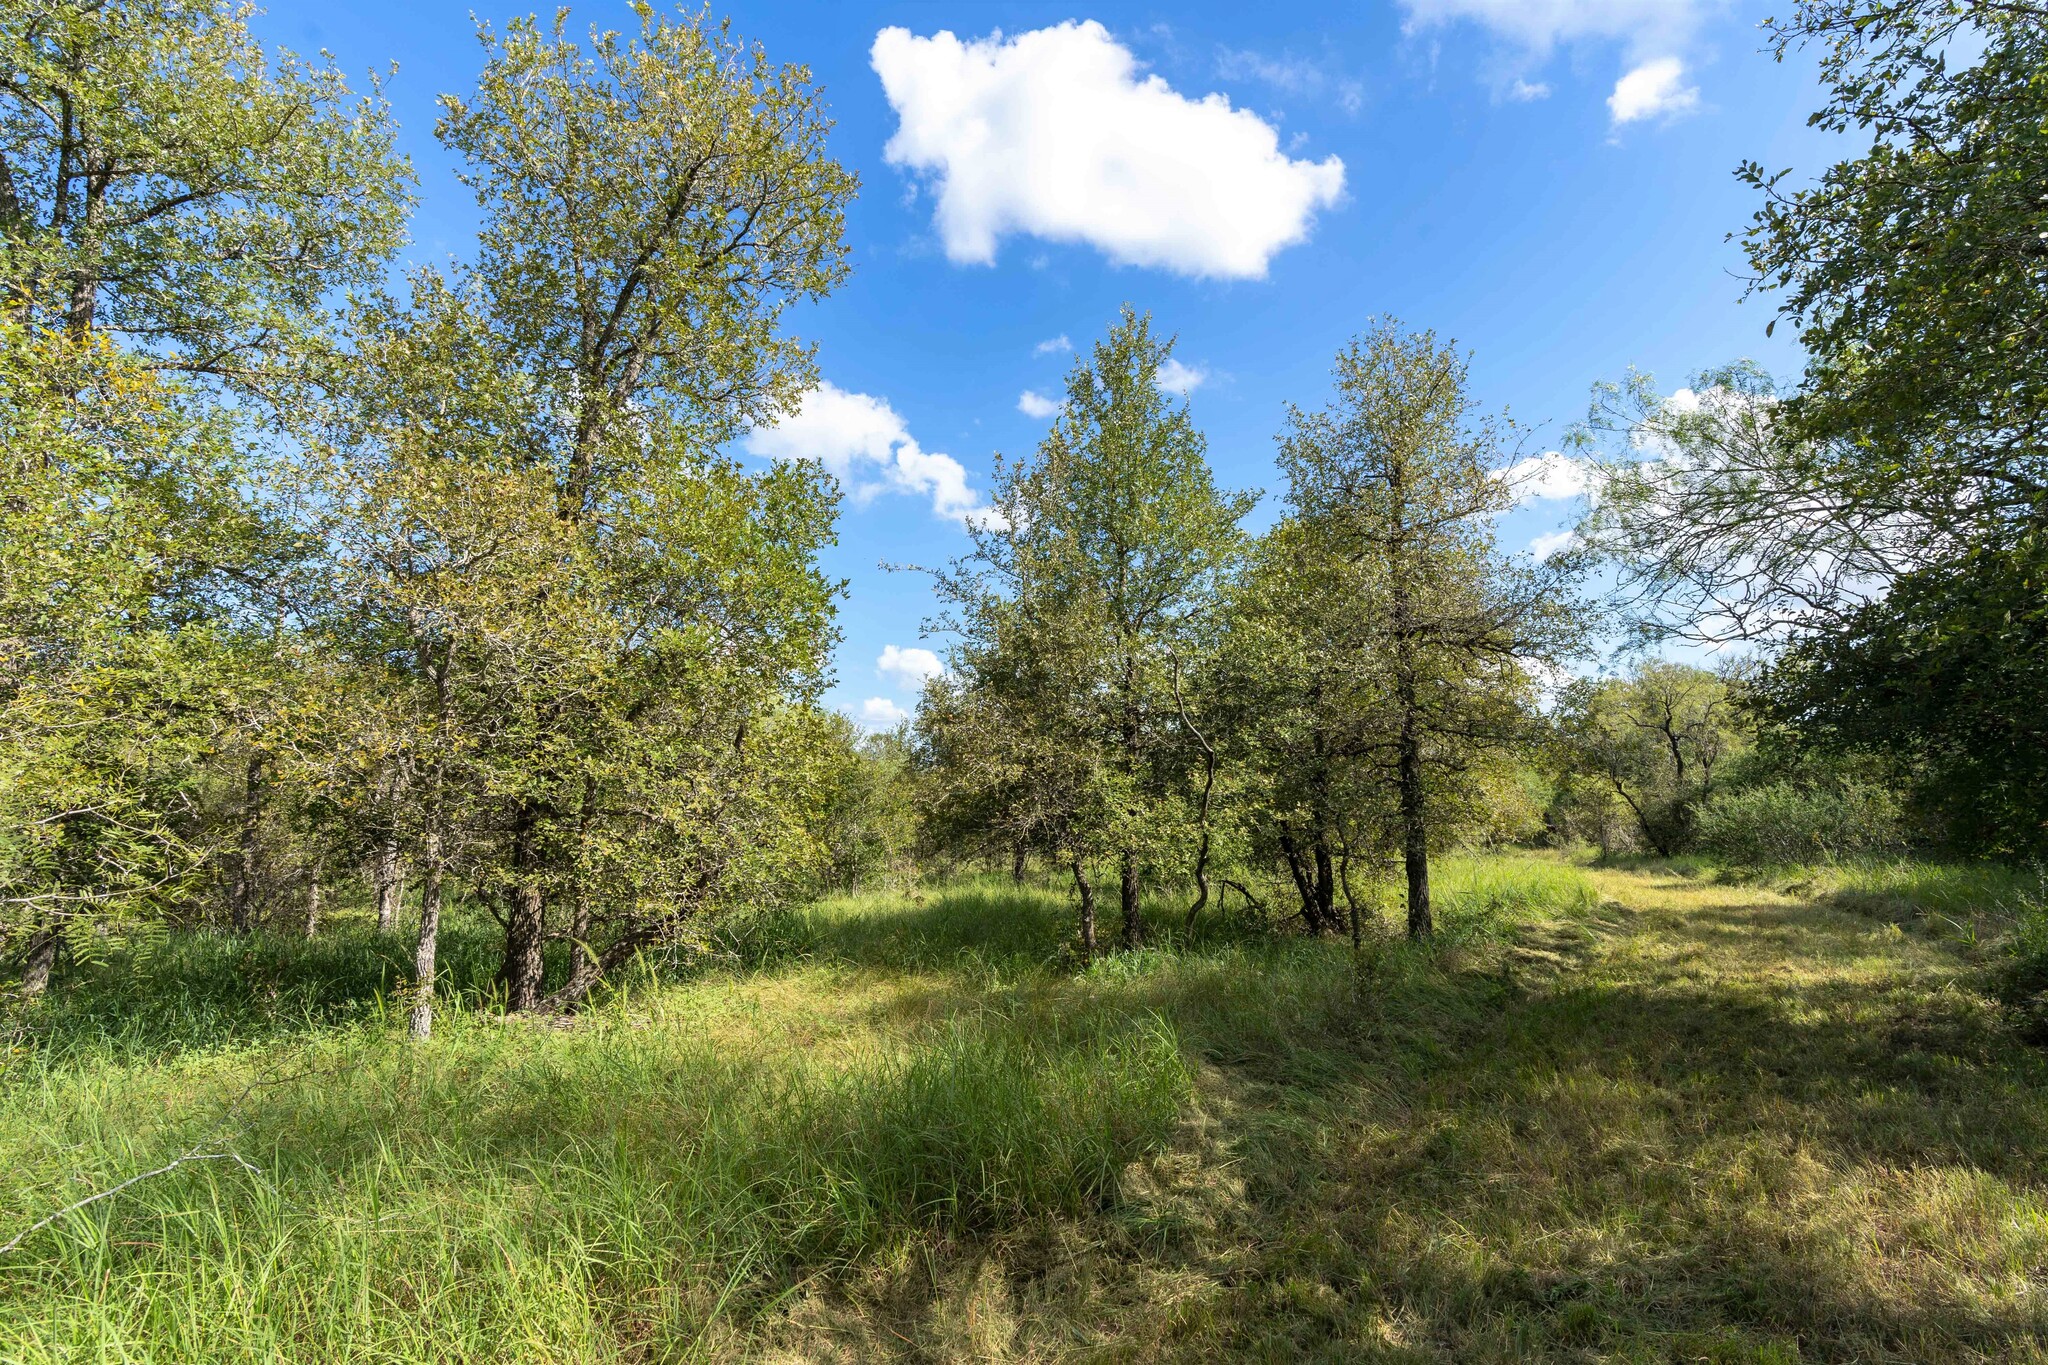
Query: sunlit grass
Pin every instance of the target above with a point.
(1609, 1115)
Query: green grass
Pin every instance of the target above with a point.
(1973, 902)
(1611, 1115)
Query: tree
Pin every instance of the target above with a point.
(1917, 275)
(1398, 480)
(1917, 272)
(1654, 740)
(1105, 548)
(866, 823)
(174, 209)
(165, 181)
(610, 630)
(1295, 693)
(1944, 678)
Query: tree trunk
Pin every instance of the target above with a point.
(39, 960)
(1326, 889)
(1087, 890)
(242, 899)
(583, 966)
(1017, 863)
(1415, 835)
(1302, 886)
(1127, 894)
(390, 886)
(313, 895)
(424, 954)
(526, 926)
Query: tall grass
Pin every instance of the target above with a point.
(869, 1079)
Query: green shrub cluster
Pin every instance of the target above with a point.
(1782, 825)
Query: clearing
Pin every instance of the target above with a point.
(1614, 1116)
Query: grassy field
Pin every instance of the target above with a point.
(1614, 1115)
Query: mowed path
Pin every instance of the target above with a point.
(1713, 1124)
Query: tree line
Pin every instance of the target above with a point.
(313, 582)
(323, 586)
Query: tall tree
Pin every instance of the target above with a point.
(643, 617)
(175, 207)
(1106, 547)
(165, 180)
(1398, 478)
(1917, 272)
(1917, 275)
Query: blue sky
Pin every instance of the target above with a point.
(1549, 182)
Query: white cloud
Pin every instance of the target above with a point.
(1175, 377)
(1651, 33)
(908, 668)
(879, 713)
(1653, 90)
(1053, 345)
(866, 445)
(1055, 134)
(1291, 75)
(1549, 477)
(1034, 404)
(1644, 27)
(1549, 543)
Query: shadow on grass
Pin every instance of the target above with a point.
(1647, 1165)
(199, 990)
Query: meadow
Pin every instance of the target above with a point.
(1609, 1114)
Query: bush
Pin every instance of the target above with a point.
(1780, 825)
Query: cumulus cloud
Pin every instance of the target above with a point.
(879, 713)
(1053, 345)
(1549, 543)
(908, 668)
(862, 440)
(1175, 377)
(1054, 133)
(1656, 89)
(1549, 477)
(1522, 92)
(1034, 404)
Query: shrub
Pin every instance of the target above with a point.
(1780, 825)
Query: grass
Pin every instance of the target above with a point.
(1975, 903)
(1614, 1115)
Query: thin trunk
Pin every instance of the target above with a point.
(1350, 900)
(1202, 807)
(424, 953)
(1415, 834)
(1302, 887)
(390, 886)
(1017, 863)
(313, 894)
(1326, 889)
(526, 925)
(1087, 890)
(583, 969)
(1127, 894)
(1414, 818)
(39, 960)
(242, 899)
